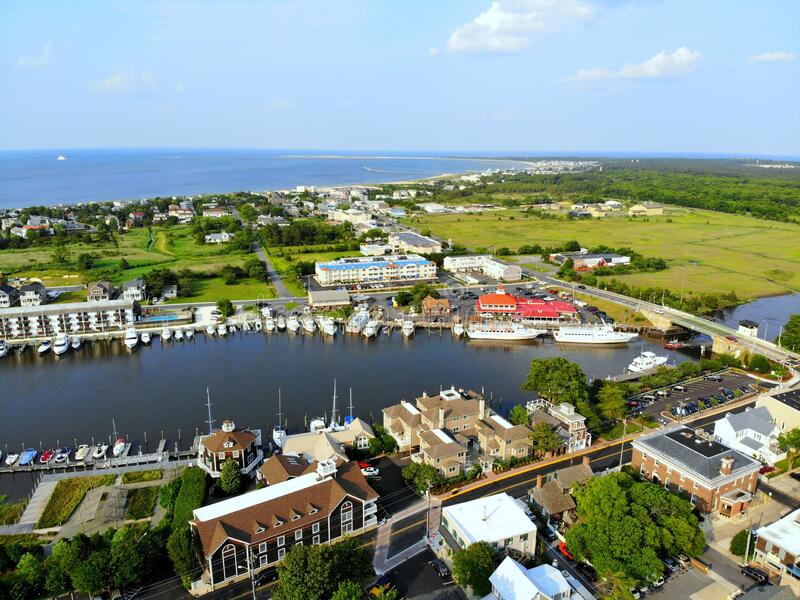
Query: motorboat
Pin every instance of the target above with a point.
(178, 335)
(61, 344)
(316, 424)
(269, 324)
(44, 347)
(646, 361)
(328, 326)
(75, 342)
(82, 452)
(145, 337)
(266, 312)
(216, 316)
(47, 456)
(11, 458)
(293, 323)
(280, 323)
(62, 455)
(307, 321)
(166, 334)
(246, 327)
(222, 330)
(592, 334)
(279, 431)
(28, 457)
(357, 321)
(408, 328)
(458, 330)
(502, 330)
(189, 334)
(232, 328)
(100, 451)
(3, 349)
(210, 330)
(131, 338)
(119, 447)
(258, 326)
(370, 329)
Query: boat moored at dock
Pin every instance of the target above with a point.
(408, 328)
(75, 342)
(166, 334)
(592, 334)
(28, 457)
(44, 347)
(509, 331)
(3, 349)
(131, 338)
(293, 323)
(646, 361)
(370, 329)
(100, 450)
(82, 452)
(145, 338)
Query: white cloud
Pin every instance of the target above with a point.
(35, 62)
(509, 25)
(282, 104)
(125, 82)
(771, 57)
(680, 62)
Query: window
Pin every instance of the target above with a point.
(281, 541)
(235, 454)
(315, 528)
(523, 537)
(262, 560)
(260, 530)
(281, 553)
(695, 486)
(507, 541)
(295, 516)
(298, 535)
(220, 455)
(315, 540)
(262, 547)
(451, 469)
(347, 528)
(347, 512)
(314, 510)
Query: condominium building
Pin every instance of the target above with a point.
(483, 263)
(375, 269)
(71, 318)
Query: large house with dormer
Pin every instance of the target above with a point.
(241, 445)
(250, 532)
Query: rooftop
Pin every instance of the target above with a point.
(67, 307)
(489, 519)
(784, 533)
(515, 582)
(757, 419)
(791, 399)
(358, 262)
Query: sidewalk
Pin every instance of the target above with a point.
(382, 562)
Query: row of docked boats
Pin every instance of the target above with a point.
(28, 457)
(504, 330)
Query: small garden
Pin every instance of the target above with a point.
(66, 497)
(140, 476)
(141, 502)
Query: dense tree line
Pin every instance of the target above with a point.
(790, 336)
(305, 232)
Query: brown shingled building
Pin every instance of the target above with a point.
(241, 445)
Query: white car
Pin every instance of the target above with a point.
(371, 471)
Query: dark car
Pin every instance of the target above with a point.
(713, 378)
(795, 476)
(440, 568)
(581, 287)
(755, 574)
(549, 535)
(266, 576)
(587, 571)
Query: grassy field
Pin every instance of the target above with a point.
(11, 512)
(141, 502)
(710, 251)
(67, 496)
(283, 260)
(139, 476)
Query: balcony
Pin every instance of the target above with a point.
(417, 458)
(370, 509)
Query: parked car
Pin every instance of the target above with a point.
(440, 568)
(649, 397)
(663, 393)
(635, 593)
(683, 561)
(766, 469)
(713, 378)
(362, 464)
(795, 476)
(658, 582)
(672, 565)
(562, 547)
(371, 472)
(548, 534)
(755, 574)
(267, 575)
(587, 571)
(679, 388)
(731, 338)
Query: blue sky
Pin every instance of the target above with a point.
(449, 75)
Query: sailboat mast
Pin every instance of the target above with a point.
(350, 408)
(280, 414)
(333, 409)
(208, 405)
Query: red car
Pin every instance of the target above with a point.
(562, 547)
(46, 456)
(766, 469)
(633, 403)
(731, 338)
(362, 464)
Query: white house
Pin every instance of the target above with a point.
(512, 581)
(135, 289)
(484, 263)
(219, 238)
(752, 433)
(498, 520)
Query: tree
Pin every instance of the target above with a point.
(739, 543)
(348, 590)
(30, 571)
(85, 261)
(230, 478)
(92, 575)
(760, 364)
(544, 438)
(61, 254)
(225, 307)
(421, 477)
(247, 213)
(611, 401)
(557, 380)
(123, 264)
(790, 336)
(472, 567)
(131, 555)
(518, 415)
(789, 442)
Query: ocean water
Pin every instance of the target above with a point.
(37, 178)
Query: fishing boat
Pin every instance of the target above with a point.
(11, 458)
(328, 326)
(674, 345)
(3, 349)
(258, 326)
(279, 431)
(232, 329)
(28, 457)
(458, 330)
(44, 347)
(592, 334)
(75, 342)
(166, 334)
(307, 321)
(189, 334)
(62, 455)
(266, 312)
(280, 323)
(82, 452)
(178, 335)
(357, 321)
(510, 331)
(145, 338)
(292, 323)
(370, 329)
(222, 330)
(246, 327)
(131, 338)
(408, 328)
(210, 330)
(100, 450)
(269, 324)
(646, 361)
(119, 447)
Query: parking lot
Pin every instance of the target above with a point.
(679, 403)
(416, 579)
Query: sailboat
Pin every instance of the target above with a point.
(318, 424)
(279, 431)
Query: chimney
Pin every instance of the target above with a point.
(726, 468)
(482, 408)
(539, 481)
(441, 417)
(585, 460)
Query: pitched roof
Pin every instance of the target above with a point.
(552, 497)
(515, 582)
(316, 445)
(240, 438)
(757, 419)
(281, 467)
(439, 444)
(498, 426)
(568, 477)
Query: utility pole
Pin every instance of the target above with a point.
(749, 534)
(622, 445)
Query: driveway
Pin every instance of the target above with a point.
(274, 278)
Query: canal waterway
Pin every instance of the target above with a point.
(770, 313)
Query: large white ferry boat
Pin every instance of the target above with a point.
(592, 334)
(646, 361)
(502, 330)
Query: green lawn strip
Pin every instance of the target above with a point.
(141, 502)
(10, 512)
(139, 476)
(66, 497)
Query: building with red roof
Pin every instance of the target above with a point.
(502, 303)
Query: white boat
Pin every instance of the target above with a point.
(408, 328)
(222, 330)
(190, 334)
(178, 335)
(258, 326)
(145, 338)
(266, 312)
(458, 330)
(246, 326)
(61, 344)
(119, 447)
(646, 361)
(166, 334)
(131, 338)
(61, 157)
(327, 326)
(75, 342)
(592, 334)
(280, 323)
(357, 321)
(100, 451)
(316, 424)
(269, 324)
(3, 349)
(510, 331)
(370, 329)
(216, 316)
(307, 321)
(279, 431)
(232, 328)
(292, 323)
(44, 347)
(11, 458)
(210, 330)
(82, 452)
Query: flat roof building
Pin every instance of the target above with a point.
(73, 318)
(778, 545)
(375, 269)
(409, 241)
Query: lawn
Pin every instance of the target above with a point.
(10, 512)
(67, 496)
(139, 476)
(141, 502)
(706, 251)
